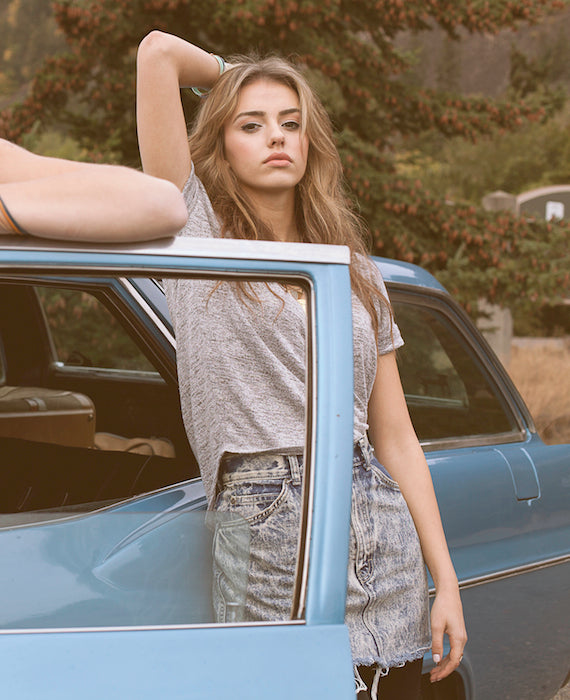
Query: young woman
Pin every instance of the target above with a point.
(261, 163)
(56, 198)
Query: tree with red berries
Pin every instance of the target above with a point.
(350, 56)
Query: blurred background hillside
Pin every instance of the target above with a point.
(534, 58)
(29, 34)
(436, 104)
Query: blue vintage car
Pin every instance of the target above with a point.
(105, 583)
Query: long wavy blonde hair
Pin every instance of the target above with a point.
(323, 211)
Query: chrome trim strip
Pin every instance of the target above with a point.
(451, 443)
(305, 526)
(117, 271)
(115, 505)
(508, 573)
(141, 301)
(228, 248)
(149, 628)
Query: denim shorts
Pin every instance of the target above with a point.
(256, 527)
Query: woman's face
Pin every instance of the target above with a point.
(262, 139)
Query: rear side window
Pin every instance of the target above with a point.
(448, 391)
(86, 334)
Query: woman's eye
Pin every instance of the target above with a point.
(250, 127)
(291, 125)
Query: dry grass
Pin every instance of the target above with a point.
(542, 375)
(563, 694)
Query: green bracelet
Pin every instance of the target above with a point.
(202, 92)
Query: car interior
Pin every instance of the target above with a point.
(78, 440)
(77, 431)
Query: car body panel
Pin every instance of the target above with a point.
(129, 565)
(503, 497)
(523, 620)
(295, 661)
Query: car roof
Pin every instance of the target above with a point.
(393, 271)
(399, 272)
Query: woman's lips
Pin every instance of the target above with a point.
(278, 159)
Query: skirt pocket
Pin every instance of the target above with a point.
(252, 502)
(254, 551)
(382, 474)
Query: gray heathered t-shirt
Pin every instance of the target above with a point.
(241, 365)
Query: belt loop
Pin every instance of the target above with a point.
(366, 449)
(295, 469)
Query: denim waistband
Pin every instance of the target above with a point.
(265, 466)
(261, 467)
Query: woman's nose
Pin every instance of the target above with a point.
(277, 137)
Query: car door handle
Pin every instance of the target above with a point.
(523, 472)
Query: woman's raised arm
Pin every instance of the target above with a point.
(56, 198)
(165, 63)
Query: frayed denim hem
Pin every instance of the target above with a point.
(393, 663)
(359, 684)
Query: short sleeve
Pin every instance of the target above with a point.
(389, 336)
(202, 221)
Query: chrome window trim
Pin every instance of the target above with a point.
(509, 573)
(455, 443)
(305, 526)
(110, 373)
(143, 303)
(150, 628)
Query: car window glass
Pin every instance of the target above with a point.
(86, 334)
(448, 393)
(101, 522)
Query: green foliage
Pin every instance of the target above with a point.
(536, 155)
(347, 48)
(527, 76)
(476, 253)
(548, 320)
(52, 143)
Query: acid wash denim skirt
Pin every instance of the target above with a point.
(256, 526)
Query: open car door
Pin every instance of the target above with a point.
(106, 548)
